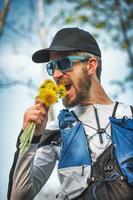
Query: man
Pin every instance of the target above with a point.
(81, 137)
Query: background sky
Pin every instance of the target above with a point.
(17, 44)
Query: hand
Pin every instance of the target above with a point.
(38, 114)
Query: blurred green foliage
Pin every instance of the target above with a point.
(114, 17)
(110, 19)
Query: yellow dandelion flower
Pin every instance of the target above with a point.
(48, 97)
(49, 92)
(61, 91)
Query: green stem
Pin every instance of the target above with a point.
(26, 137)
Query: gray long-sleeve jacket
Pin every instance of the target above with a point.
(35, 166)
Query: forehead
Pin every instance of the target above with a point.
(53, 55)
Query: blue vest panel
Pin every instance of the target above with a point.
(122, 137)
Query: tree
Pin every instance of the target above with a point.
(22, 26)
(115, 17)
(21, 21)
(14, 26)
(3, 14)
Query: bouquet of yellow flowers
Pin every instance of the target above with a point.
(48, 93)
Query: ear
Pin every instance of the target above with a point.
(92, 65)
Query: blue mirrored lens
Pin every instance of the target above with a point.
(50, 68)
(64, 64)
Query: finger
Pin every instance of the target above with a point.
(35, 111)
(35, 118)
(39, 111)
(39, 105)
(42, 105)
(37, 100)
(40, 121)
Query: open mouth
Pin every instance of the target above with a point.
(66, 83)
(68, 86)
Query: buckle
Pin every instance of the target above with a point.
(109, 168)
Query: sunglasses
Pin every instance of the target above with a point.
(64, 64)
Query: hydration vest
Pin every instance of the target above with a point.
(75, 162)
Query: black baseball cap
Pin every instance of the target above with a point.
(69, 39)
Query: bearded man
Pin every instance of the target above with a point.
(80, 140)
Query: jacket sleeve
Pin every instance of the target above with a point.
(32, 170)
(35, 140)
(13, 167)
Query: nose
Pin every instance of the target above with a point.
(57, 74)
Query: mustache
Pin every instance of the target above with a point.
(64, 81)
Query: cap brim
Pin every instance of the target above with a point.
(42, 55)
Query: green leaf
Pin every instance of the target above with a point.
(83, 18)
(69, 20)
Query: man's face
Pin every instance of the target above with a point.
(76, 81)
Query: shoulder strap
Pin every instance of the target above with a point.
(75, 115)
(99, 131)
(115, 109)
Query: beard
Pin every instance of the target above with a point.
(82, 90)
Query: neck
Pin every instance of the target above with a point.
(96, 95)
